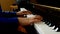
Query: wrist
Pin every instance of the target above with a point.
(17, 13)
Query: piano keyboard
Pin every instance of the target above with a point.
(42, 28)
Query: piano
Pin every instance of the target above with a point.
(51, 19)
(44, 27)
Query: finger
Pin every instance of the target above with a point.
(26, 11)
(38, 17)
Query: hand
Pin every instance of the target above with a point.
(38, 18)
(24, 12)
(25, 21)
(29, 21)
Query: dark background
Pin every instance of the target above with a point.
(55, 3)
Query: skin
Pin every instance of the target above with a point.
(23, 12)
(27, 21)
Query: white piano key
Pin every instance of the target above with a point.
(44, 29)
(38, 29)
(23, 9)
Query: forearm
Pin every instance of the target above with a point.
(8, 20)
(8, 14)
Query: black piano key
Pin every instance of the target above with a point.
(58, 30)
(55, 27)
(51, 24)
(48, 23)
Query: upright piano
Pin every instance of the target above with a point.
(51, 17)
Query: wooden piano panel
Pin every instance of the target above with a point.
(5, 4)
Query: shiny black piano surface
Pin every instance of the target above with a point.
(55, 3)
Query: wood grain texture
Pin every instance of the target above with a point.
(5, 4)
